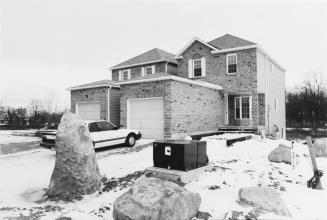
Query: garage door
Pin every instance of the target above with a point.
(89, 111)
(147, 116)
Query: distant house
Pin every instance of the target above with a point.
(227, 83)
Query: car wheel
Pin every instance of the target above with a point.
(130, 140)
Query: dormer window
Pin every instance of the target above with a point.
(231, 63)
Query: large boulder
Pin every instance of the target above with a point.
(156, 199)
(76, 170)
(263, 198)
(320, 147)
(281, 154)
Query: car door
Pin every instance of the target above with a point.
(107, 135)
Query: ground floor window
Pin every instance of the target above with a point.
(243, 107)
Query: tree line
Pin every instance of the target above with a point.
(306, 106)
(34, 116)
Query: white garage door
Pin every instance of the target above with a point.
(147, 116)
(88, 111)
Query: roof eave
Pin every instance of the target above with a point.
(176, 78)
(143, 63)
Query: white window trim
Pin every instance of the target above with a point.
(250, 107)
(229, 55)
(203, 68)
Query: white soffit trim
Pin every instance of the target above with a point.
(179, 79)
(233, 49)
(250, 47)
(178, 55)
(143, 63)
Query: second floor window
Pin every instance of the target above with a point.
(197, 70)
(148, 70)
(231, 63)
(124, 75)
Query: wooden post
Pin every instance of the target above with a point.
(312, 154)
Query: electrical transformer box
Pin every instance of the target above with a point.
(180, 154)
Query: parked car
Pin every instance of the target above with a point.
(103, 134)
(46, 130)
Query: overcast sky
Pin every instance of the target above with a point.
(48, 46)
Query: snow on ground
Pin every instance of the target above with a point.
(12, 141)
(11, 136)
(26, 175)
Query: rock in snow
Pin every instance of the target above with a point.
(320, 147)
(263, 198)
(280, 154)
(156, 199)
(76, 170)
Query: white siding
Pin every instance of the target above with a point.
(271, 82)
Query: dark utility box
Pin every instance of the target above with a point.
(180, 154)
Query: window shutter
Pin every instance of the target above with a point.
(129, 73)
(203, 66)
(190, 68)
(153, 69)
(142, 71)
(120, 76)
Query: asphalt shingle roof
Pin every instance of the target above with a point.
(149, 56)
(228, 41)
(104, 83)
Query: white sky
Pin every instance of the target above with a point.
(48, 46)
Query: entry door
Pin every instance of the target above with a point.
(147, 116)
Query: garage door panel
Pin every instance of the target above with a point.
(146, 115)
(88, 111)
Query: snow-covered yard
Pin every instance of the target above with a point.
(26, 175)
(12, 141)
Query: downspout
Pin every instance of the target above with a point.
(108, 99)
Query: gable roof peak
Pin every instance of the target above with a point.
(229, 41)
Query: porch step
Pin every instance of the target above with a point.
(238, 130)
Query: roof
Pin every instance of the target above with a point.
(228, 41)
(164, 76)
(151, 56)
(97, 84)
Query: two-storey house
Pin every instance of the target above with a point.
(226, 83)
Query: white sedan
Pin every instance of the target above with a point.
(103, 134)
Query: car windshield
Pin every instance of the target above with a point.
(101, 126)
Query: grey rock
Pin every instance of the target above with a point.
(156, 199)
(236, 215)
(264, 198)
(76, 170)
(320, 147)
(280, 154)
